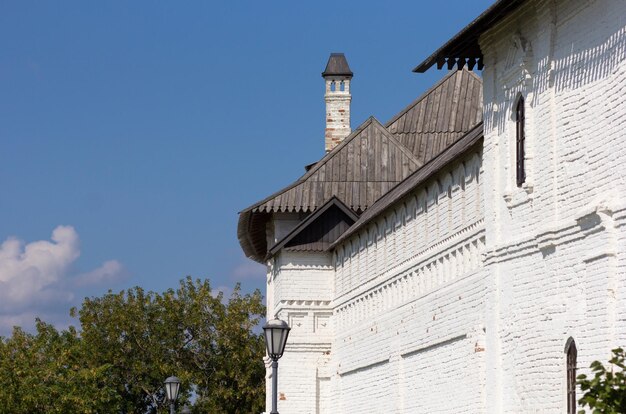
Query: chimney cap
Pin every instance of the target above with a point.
(337, 66)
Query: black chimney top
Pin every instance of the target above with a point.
(337, 66)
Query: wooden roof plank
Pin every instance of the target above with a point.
(356, 167)
(467, 110)
(350, 162)
(385, 157)
(459, 120)
(442, 119)
(460, 147)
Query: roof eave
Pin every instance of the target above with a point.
(333, 201)
(463, 49)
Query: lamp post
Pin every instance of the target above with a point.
(172, 385)
(276, 333)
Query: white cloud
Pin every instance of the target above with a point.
(111, 271)
(224, 290)
(36, 278)
(249, 270)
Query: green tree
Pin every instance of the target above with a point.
(46, 373)
(228, 366)
(139, 339)
(129, 343)
(605, 393)
(190, 332)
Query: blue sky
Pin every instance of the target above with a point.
(135, 131)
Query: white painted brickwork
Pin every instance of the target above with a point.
(440, 215)
(301, 286)
(461, 297)
(555, 246)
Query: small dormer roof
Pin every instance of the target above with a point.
(337, 66)
(318, 231)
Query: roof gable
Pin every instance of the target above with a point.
(440, 116)
(358, 171)
(454, 151)
(318, 231)
(373, 159)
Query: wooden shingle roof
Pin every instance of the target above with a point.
(358, 171)
(363, 167)
(440, 116)
(373, 159)
(453, 152)
(318, 231)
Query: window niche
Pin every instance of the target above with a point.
(520, 138)
(520, 157)
(571, 355)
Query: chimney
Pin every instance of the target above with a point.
(337, 76)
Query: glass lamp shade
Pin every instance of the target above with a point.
(172, 384)
(276, 333)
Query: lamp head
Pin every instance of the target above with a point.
(276, 333)
(172, 385)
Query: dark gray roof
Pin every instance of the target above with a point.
(440, 116)
(373, 159)
(358, 171)
(337, 66)
(318, 231)
(457, 149)
(463, 49)
(363, 167)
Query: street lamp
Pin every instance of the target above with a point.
(276, 333)
(172, 385)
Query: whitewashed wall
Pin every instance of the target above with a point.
(555, 246)
(409, 303)
(301, 286)
(448, 303)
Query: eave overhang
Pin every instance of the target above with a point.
(463, 49)
(333, 202)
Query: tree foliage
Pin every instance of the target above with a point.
(605, 393)
(129, 343)
(46, 373)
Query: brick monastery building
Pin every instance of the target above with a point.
(468, 254)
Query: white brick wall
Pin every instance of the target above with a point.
(300, 290)
(553, 246)
(409, 293)
(462, 296)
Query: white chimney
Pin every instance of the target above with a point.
(337, 77)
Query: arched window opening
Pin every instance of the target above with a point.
(333, 85)
(342, 86)
(519, 139)
(572, 353)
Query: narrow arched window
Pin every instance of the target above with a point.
(572, 353)
(519, 138)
